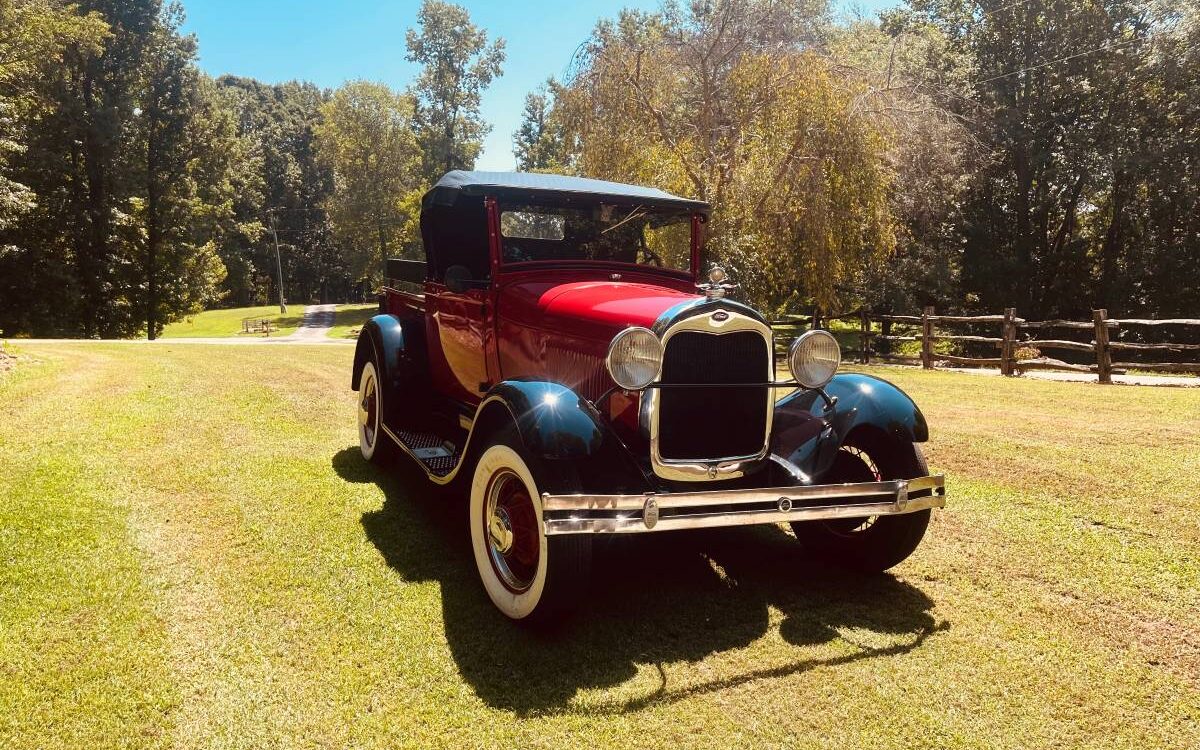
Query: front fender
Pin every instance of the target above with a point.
(808, 433)
(552, 420)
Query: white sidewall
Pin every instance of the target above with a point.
(368, 451)
(495, 459)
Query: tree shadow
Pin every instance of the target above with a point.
(655, 599)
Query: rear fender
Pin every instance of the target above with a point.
(383, 341)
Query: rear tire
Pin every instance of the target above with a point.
(528, 576)
(373, 441)
(869, 544)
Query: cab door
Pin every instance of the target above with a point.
(460, 309)
(461, 323)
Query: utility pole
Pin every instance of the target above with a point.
(278, 263)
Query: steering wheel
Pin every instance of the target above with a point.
(649, 254)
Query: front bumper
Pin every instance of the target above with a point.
(668, 511)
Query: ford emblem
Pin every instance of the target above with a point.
(650, 513)
(720, 316)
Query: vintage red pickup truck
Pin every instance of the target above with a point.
(558, 359)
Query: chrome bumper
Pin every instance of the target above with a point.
(631, 514)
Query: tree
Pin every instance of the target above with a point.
(367, 140)
(72, 249)
(292, 184)
(540, 143)
(458, 64)
(1062, 87)
(730, 102)
(175, 133)
(33, 37)
(914, 81)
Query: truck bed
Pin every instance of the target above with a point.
(401, 301)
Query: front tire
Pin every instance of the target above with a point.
(528, 576)
(873, 544)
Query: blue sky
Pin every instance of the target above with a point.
(331, 42)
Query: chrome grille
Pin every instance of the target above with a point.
(704, 424)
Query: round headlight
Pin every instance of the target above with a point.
(814, 359)
(634, 358)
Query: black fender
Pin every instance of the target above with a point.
(559, 427)
(552, 420)
(807, 431)
(382, 338)
(398, 348)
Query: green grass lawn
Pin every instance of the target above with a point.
(347, 319)
(225, 323)
(193, 555)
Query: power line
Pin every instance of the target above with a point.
(1048, 63)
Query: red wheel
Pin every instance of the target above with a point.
(527, 575)
(514, 535)
(372, 442)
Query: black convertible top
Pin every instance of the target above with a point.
(541, 186)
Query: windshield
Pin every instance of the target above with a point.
(656, 237)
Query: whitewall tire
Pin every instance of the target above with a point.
(510, 553)
(372, 441)
(528, 576)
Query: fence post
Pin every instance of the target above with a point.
(865, 321)
(1103, 353)
(927, 338)
(1008, 348)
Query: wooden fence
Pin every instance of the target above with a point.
(1015, 339)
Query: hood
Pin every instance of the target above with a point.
(592, 309)
(611, 303)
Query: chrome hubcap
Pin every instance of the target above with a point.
(513, 536)
(367, 409)
(500, 529)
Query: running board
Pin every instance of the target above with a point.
(438, 456)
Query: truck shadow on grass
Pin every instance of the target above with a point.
(655, 599)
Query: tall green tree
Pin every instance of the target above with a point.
(457, 65)
(34, 34)
(73, 248)
(98, 116)
(175, 133)
(913, 80)
(291, 186)
(1058, 96)
(540, 144)
(367, 140)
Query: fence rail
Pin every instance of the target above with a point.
(931, 329)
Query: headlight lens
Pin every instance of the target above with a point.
(814, 359)
(634, 358)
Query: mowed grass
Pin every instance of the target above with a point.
(228, 322)
(193, 555)
(347, 319)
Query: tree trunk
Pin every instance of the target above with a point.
(93, 261)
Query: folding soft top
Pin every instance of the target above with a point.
(537, 186)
